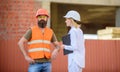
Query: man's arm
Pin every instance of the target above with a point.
(55, 42)
(21, 42)
(21, 46)
(57, 47)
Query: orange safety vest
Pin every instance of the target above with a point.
(39, 45)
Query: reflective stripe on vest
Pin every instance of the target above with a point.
(39, 41)
(38, 49)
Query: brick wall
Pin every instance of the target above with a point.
(15, 17)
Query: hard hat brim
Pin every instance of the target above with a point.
(70, 17)
(67, 17)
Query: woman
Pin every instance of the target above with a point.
(76, 60)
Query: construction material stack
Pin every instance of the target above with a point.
(109, 33)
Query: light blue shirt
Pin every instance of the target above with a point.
(77, 45)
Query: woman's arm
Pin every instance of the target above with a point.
(73, 41)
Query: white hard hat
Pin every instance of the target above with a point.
(73, 14)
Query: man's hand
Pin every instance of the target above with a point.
(62, 46)
(54, 54)
(29, 60)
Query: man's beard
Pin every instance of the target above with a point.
(42, 23)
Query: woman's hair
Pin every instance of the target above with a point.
(75, 23)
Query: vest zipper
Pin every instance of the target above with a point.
(43, 43)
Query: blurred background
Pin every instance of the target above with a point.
(100, 25)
